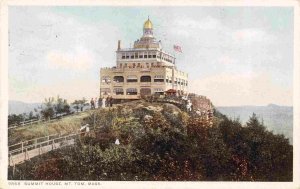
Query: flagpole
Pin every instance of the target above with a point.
(174, 54)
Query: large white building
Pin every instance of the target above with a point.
(142, 70)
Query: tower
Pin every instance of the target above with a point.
(142, 70)
(148, 29)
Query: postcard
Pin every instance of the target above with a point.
(150, 94)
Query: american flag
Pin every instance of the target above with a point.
(177, 48)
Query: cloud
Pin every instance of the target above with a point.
(78, 60)
(187, 26)
(242, 89)
(206, 23)
(49, 48)
(68, 89)
(225, 59)
(251, 35)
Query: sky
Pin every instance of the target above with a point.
(233, 55)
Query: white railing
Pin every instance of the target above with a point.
(31, 148)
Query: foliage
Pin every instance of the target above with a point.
(80, 104)
(167, 144)
(67, 125)
(15, 119)
(61, 106)
(48, 111)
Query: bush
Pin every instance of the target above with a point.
(167, 146)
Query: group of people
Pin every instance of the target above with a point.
(101, 102)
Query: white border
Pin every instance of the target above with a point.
(105, 184)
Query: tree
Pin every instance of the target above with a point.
(61, 106)
(76, 104)
(15, 119)
(48, 109)
(83, 103)
(80, 104)
(30, 116)
(66, 107)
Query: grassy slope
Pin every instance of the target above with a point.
(63, 126)
(72, 123)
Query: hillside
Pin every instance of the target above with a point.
(162, 142)
(66, 125)
(276, 118)
(18, 107)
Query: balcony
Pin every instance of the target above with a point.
(118, 70)
(145, 69)
(126, 96)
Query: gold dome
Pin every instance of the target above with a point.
(148, 24)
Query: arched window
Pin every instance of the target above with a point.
(146, 78)
(132, 78)
(118, 79)
(131, 91)
(118, 91)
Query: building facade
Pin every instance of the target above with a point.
(142, 70)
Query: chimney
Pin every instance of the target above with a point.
(119, 44)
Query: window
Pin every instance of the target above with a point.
(105, 91)
(123, 55)
(159, 78)
(131, 91)
(132, 79)
(140, 56)
(136, 55)
(146, 78)
(132, 57)
(154, 56)
(145, 91)
(145, 56)
(105, 79)
(159, 91)
(118, 79)
(118, 91)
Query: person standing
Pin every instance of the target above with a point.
(107, 102)
(100, 102)
(111, 101)
(92, 104)
(103, 103)
(96, 104)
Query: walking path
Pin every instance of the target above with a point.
(26, 150)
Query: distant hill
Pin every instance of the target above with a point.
(18, 107)
(278, 119)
